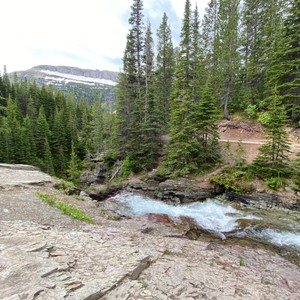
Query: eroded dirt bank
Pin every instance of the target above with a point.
(47, 255)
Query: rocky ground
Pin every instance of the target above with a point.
(47, 255)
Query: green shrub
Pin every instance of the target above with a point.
(268, 169)
(295, 187)
(276, 183)
(242, 262)
(128, 166)
(110, 158)
(233, 179)
(251, 111)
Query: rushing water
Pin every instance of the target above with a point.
(276, 227)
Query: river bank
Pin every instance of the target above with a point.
(48, 255)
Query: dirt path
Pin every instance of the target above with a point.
(251, 136)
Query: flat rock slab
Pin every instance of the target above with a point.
(22, 175)
(102, 262)
(47, 255)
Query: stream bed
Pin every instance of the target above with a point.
(278, 229)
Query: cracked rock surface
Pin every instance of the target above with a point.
(47, 255)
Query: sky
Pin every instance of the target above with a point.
(87, 34)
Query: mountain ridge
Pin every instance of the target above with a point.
(104, 74)
(84, 83)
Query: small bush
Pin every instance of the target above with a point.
(233, 179)
(110, 158)
(242, 262)
(295, 187)
(276, 183)
(128, 167)
(251, 111)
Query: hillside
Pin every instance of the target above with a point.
(251, 134)
(84, 83)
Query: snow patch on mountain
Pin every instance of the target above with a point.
(60, 77)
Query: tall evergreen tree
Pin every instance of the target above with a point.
(137, 31)
(98, 126)
(284, 69)
(221, 42)
(14, 119)
(149, 145)
(47, 161)
(28, 142)
(196, 56)
(210, 42)
(165, 67)
(74, 167)
(42, 134)
(182, 151)
(207, 135)
(228, 50)
(273, 157)
(58, 143)
(136, 106)
(262, 23)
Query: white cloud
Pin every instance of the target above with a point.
(87, 34)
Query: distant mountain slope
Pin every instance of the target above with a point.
(84, 83)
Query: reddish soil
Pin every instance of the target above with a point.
(251, 135)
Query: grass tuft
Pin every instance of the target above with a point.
(65, 208)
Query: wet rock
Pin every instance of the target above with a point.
(178, 191)
(158, 218)
(264, 200)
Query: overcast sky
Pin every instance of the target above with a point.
(86, 34)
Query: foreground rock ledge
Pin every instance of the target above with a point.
(43, 255)
(37, 262)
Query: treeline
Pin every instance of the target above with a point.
(242, 56)
(45, 128)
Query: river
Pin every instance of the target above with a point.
(277, 228)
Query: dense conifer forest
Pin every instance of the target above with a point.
(242, 56)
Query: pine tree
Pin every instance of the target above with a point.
(47, 161)
(165, 67)
(262, 22)
(131, 99)
(286, 71)
(5, 141)
(273, 157)
(207, 131)
(196, 56)
(98, 126)
(228, 50)
(74, 168)
(296, 171)
(14, 130)
(6, 85)
(28, 142)
(58, 143)
(182, 151)
(210, 43)
(137, 31)
(149, 145)
(42, 134)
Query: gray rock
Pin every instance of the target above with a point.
(45, 255)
